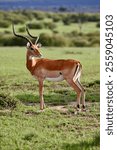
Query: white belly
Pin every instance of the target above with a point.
(57, 79)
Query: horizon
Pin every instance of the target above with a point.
(52, 5)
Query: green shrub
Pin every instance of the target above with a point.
(67, 21)
(82, 17)
(7, 32)
(63, 9)
(74, 33)
(55, 31)
(98, 25)
(36, 25)
(69, 39)
(16, 18)
(39, 15)
(49, 25)
(27, 13)
(56, 18)
(41, 25)
(95, 41)
(80, 42)
(8, 40)
(22, 29)
(93, 17)
(52, 40)
(4, 24)
(45, 39)
(59, 40)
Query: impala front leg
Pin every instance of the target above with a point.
(41, 88)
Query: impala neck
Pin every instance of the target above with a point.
(31, 61)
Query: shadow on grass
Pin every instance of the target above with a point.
(28, 98)
(62, 96)
(84, 145)
(51, 98)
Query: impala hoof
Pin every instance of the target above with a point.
(78, 108)
(41, 110)
(83, 108)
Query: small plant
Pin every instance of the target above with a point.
(29, 136)
(6, 101)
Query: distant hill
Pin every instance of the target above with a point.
(52, 5)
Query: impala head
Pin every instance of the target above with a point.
(33, 49)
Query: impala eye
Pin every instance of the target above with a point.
(31, 48)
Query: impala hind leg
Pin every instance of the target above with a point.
(77, 89)
(41, 88)
(82, 93)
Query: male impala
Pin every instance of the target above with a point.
(53, 70)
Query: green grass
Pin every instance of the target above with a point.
(15, 76)
(88, 27)
(23, 127)
(49, 130)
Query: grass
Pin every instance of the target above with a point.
(16, 79)
(49, 130)
(88, 27)
(24, 127)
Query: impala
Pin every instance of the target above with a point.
(52, 70)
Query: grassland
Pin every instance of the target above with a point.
(23, 127)
(67, 29)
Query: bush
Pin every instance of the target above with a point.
(49, 25)
(53, 40)
(9, 40)
(38, 15)
(94, 34)
(27, 13)
(16, 18)
(63, 9)
(55, 31)
(7, 32)
(70, 39)
(82, 17)
(56, 18)
(59, 40)
(41, 25)
(36, 25)
(67, 21)
(93, 17)
(95, 41)
(4, 24)
(98, 25)
(80, 42)
(74, 33)
(22, 29)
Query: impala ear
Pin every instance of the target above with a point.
(39, 45)
(28, 45)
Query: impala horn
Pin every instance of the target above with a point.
(21, 36)
(32, 35)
